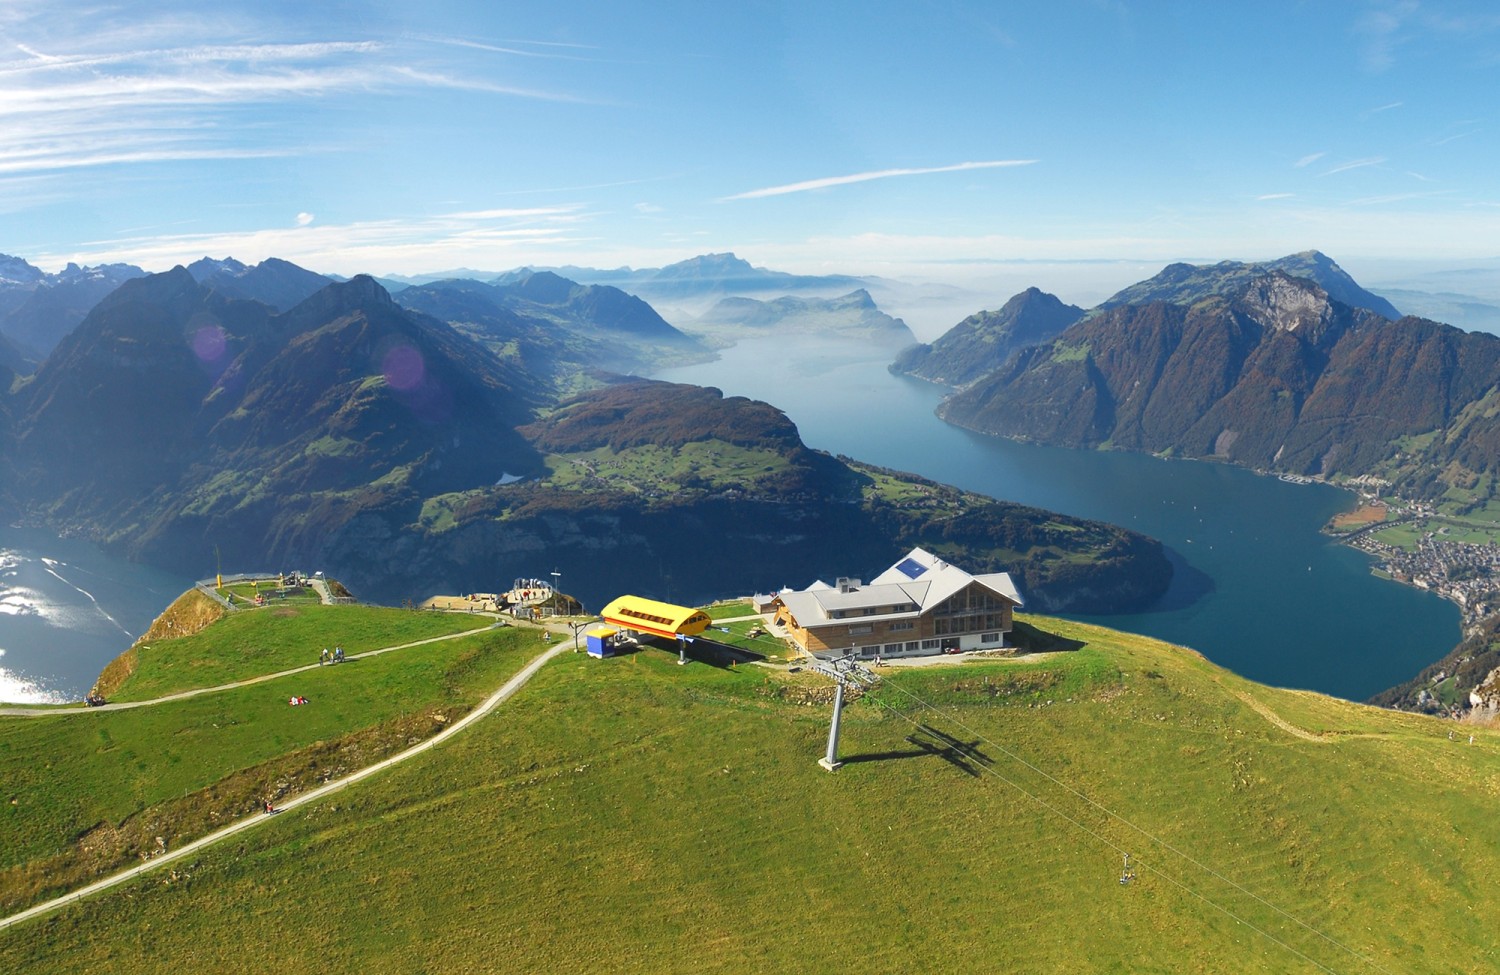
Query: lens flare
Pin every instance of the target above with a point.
(403, 368)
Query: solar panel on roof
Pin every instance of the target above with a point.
(911, 568)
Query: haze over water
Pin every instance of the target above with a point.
(1287, 606)
(67, 609)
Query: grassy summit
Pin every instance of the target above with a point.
(87, 793)
(632, 815)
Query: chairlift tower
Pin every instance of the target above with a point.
(844, 670)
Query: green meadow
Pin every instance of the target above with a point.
(265, 640)
(633, 815)
(87, 792)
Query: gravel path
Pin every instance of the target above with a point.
(489, 704)
(45, 712)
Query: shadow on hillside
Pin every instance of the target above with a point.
(701, 650)
(932, 743)
(719, 654)
(1033, 639)
(1188, 585)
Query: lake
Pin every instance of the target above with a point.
(1286, 605)
(67, 609)
(1271, 598)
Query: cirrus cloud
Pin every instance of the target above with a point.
(828, 181)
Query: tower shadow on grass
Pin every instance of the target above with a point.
(929, 742)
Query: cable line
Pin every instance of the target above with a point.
(1142, 831)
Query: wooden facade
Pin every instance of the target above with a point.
(974, 617)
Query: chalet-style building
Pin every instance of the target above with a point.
(921, 605)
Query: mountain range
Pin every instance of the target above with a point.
(37, 309)
(280, 284)
(180, 422)
(553, 328)
(706, 275)
(1250, 364)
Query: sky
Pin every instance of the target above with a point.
(925, 141)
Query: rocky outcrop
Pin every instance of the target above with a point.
(1486, 696)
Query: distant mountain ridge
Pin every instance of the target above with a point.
(983, 341)
(280, 284)
(553, 327)
(853, 316)
(705, 277)
(37, 309)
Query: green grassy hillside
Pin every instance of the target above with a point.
(86, 793)
(632, 815)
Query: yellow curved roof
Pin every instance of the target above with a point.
(649, 616)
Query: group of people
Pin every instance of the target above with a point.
(297, 700)
(336, 657)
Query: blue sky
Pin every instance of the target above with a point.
(915, 139)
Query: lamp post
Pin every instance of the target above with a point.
(555, 603)
(577, 628)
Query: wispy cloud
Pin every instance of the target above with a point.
(1388, 198)
(1354, 164)
(111, 98)
(1453, 138)
(495, 236)
(526, 49)
(1275, 196)
(1383, 108)
(1382, 30)
(1309, 159)
(437, 79)
(828, 181)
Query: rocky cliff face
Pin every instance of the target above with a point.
(1187, 284)
(1485, 698)
(1276, 376)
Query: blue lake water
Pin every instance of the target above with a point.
(1286, 605)
(67, 609)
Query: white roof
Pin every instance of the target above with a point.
(921, 580)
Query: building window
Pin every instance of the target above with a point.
(913, 646)
(989, 638)
(902, 625)
(931, 644)
(861, 630)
